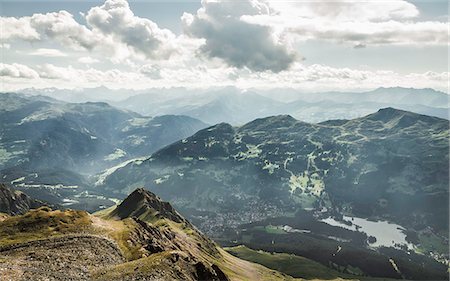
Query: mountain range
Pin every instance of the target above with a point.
(387, 167)
(237, 107)
(370, 166)
(50, 147)
(317, 193)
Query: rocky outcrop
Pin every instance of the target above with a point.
(172, 265)
(153, 239)
(14, 202)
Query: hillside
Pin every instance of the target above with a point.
(13, 202)
(369, 166)
(49, 148)
(389, 168)
(83, 137)
(75, 245)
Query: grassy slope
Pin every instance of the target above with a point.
(292, 265)
(295, 266)
(44, 223)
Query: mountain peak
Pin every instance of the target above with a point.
(390, 110)
(271, 121)
(402, 118)
(145, 205)
(386, 114)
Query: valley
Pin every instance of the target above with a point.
(51, 149)
(361, 198)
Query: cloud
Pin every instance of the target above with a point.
(67, 75)
(88, 60)
(115, 18)
(13, 29)
(63, 27)
(252, 37)
(16, 70)
(70, 74)
(152, 71)
(237, 42)
(111, 29)
(314, 78)
(43, 52)
(348, 10)
(318, 77)
(376, 33)
(60, 26)
(358, 23)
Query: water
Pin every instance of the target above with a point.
(386, 233)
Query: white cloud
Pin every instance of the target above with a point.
(63, 27)
(16, 70)
(237, 42)
(369, 33)
(252, 37)
(115, 19)
(326, 78)
(44, 52)
(88, 60)
(152, 71)
(308, 78)
(73, 76)
(13, 28)
(112, 29)
(60, 26)
(359, 23)
(348, 10)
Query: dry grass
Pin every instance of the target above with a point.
(43, 223)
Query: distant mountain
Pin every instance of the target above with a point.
(84, 137)
(374, 166)
(165, 101)
(391, 96)
(49, 148)
(14, 202)
(317, 112)
(228, 104)
(75, 245)
(237, 107)
(97, 94)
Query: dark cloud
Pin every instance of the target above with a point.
(237, 42)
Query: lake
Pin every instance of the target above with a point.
(386, 233)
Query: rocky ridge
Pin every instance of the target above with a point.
(157, 245)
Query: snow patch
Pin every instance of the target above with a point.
(117, 154)
(102, 177)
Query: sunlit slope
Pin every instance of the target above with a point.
(391, 164)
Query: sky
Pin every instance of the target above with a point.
(307, 45)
